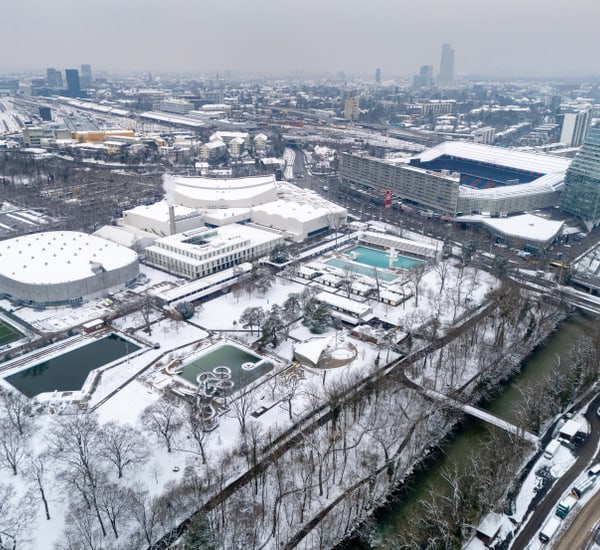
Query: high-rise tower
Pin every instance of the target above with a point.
(581, 193)
(86, 76)
(73, 86)
(446, 77)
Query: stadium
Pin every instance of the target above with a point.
(457, 178)
(59, 268)
(496, 180)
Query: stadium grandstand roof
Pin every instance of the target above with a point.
(499, 156)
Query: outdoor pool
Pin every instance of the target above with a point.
(226, 366)
(68, 372)
(380, 258)
(362, 270)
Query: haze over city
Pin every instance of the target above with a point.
(508, 38)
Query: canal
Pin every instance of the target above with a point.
(469, 437)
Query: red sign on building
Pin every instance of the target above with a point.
(388, 199)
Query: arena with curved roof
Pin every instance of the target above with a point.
(62, 267)
(200, 192)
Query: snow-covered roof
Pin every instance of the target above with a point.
(60, 256)
(159, 211)
(526, 226)
(207, 190)
(312, 349)
(534, 162)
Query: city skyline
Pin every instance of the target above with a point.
(495, 38)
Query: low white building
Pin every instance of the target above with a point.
(155, 219)
(203, 251)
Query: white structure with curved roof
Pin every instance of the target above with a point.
(200, 192)
(62, 267)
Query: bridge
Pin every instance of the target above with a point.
(479, 413)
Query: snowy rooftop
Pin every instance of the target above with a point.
(159, 211)
(214, 189)
(511, 158)
(526, 226)
(59, 256)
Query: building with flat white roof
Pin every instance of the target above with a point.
(200, 252)
(62, 267)
(155, 219)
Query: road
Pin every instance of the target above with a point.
(578, 535)
(546, 507)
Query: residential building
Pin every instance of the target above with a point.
(575, 127)
(351, 108)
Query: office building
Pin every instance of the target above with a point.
(53, 78)
(581, 193)
(446, 77)
(575, 127)
(377, 75)
(200, 252)
(86, 78)
(425, 77)
(73, 85)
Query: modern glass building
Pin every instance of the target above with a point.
(581, 193)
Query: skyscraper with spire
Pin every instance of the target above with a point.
(446, 77)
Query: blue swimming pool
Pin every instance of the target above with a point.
(361, 269)
(380, 258)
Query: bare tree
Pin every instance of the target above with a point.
(114, 501)
(241, 407)
(37, 474)
(122, 445)
(13, 448)
(416, 274)
(17, 410)
(163, 419)
(15, 517)
(75, 444)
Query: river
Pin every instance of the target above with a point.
(469, 436)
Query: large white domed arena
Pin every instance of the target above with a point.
(62, 267)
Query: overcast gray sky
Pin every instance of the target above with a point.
(536, 37)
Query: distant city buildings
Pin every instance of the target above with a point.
(581, 194)
(446, 77)
(425, 77)
(377, 75)
(53, 78)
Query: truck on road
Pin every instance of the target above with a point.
(549, 529)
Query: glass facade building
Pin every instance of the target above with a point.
(581, 192)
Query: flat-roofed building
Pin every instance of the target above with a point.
(200, 252)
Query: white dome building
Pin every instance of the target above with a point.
(62, 267)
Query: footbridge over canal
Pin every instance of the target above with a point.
(479, 413)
